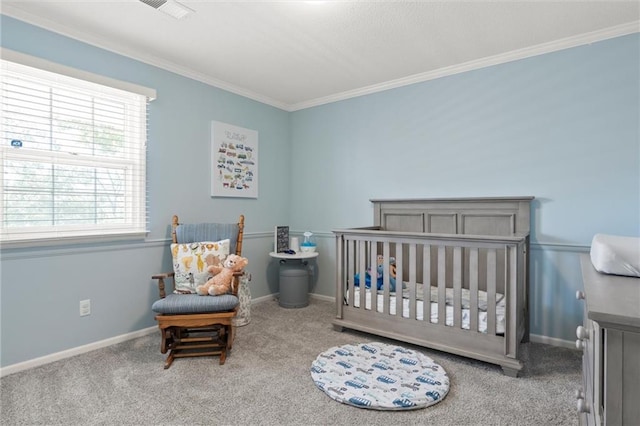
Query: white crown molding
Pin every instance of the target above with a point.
(554, 46)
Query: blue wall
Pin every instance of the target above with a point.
(562, 127)
(41, 288)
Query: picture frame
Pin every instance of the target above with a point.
(234, 161)
(281, 239)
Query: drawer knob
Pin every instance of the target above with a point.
(580, 344)
(582, 333)
(583, 407)
(579, 295)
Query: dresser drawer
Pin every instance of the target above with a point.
(621, 394)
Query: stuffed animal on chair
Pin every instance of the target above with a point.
(222, 278)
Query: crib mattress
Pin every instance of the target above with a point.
(466, 314)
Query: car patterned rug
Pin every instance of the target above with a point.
(379, 376)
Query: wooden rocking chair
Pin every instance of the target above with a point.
(193, 325)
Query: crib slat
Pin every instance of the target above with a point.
(491, 291)
(510, 291)
(457, 287)
(342, 267)
(473, 289)
(399, 278)
(373, 271)
(442, 308)
(411, 286)
(385, 278)
(426, 285)
(362, 252)
(350, 266)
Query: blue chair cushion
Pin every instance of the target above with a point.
(194, 304)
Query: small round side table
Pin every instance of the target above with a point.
(294, 278)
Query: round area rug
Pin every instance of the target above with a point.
(380, 377)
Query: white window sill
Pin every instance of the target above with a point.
(61, 241)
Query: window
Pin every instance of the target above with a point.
(72, 156)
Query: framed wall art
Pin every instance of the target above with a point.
(281, 242)
(234, 161)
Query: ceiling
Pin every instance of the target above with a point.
(296, 54)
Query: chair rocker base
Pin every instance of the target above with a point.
(206, 335)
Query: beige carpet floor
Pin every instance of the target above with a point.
(266, 381)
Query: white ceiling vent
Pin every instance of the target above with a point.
(170, 7)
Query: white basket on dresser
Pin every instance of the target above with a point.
(610, 340)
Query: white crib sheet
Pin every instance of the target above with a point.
(482, 315)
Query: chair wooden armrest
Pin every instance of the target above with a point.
(235, 287)
(161, 278)
(164, 275)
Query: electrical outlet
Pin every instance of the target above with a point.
(85, 307)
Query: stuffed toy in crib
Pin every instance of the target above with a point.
(379, 273)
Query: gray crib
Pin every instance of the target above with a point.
(460, 272)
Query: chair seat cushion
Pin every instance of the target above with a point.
(194, 304)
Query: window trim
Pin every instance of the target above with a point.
(99, 236)
(43, 64)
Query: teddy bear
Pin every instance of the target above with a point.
(222, 276)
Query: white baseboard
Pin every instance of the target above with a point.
(274, 296)
(264, 298)
(322, 297)
(553, 341)
(47, 359)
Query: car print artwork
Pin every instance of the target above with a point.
(237, 149)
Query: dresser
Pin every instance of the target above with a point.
(610, 341)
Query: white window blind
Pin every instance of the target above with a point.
(72, 157)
